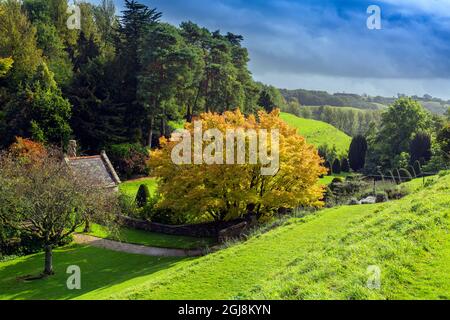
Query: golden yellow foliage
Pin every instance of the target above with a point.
(226, 191)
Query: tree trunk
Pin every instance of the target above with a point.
(48, 269)
(163, 128)
(188, 114)
(87, 226)
(150, 133)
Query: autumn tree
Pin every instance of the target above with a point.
(46, 200)
(204, 192)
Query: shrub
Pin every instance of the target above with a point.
(26, 151)
(142, 196)
(397, 192)
(345, 166)
(337, 180)
(381, 197)
(336, 169)
(129, 159)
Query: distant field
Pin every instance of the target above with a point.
(319, 133)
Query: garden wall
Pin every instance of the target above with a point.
(219, 230)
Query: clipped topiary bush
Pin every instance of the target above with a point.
(142, 196)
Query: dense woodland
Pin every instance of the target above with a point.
(122, 82)
(119, 80)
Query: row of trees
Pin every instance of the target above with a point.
(407, 134)
(349, 120)
(118, 79)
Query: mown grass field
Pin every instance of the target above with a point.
(321, 256)
(130, 188)
(319, 133)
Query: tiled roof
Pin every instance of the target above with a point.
(96, 169)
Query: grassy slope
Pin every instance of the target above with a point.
(318, 257)
(326, 257)
(319, 133)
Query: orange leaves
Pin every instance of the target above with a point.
(27, 150)
(226, 191)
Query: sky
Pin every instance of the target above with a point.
(326, 44)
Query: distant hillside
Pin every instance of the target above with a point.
(322, 98)
(319, 133)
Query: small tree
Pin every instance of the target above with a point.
(357, 153)
(142, 196)
(420, 147)
(43, 198)
(345, 166)
(336, 166)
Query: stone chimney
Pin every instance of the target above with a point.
(72, 149)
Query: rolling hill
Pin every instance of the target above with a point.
(319, 133)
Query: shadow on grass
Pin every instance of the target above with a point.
(100, 269)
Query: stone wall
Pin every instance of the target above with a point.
(218, 230)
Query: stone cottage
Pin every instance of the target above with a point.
(97, 168)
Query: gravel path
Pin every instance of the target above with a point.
(134, 248)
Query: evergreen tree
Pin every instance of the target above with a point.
(135, 21)
(265, 101)
(357, 153)
(420, 148)
(336, 169)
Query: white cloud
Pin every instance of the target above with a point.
(440, 8)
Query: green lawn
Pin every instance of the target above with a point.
(130, 188)
(151, 239)
(325, 181)
(321, 256)
(100, 270)
(319, 133)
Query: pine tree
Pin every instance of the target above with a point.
(135, 20)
